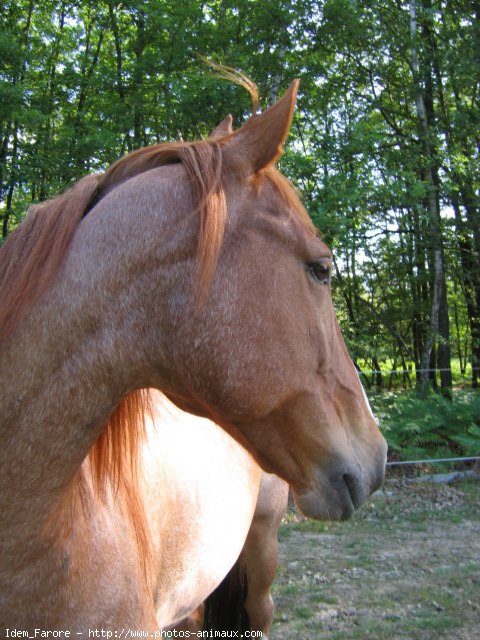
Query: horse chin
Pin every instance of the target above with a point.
(333, 498)
(319, 506)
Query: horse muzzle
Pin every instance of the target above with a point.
(338, 492)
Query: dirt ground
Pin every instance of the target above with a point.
(407, 566)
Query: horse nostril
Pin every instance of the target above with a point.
(354, 488)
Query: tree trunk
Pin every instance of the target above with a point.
(138, 79)
(87, 68)
(119, 82)
(438, 308)
(8, 184)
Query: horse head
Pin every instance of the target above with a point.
(264, 352)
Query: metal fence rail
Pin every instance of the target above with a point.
(399, 463)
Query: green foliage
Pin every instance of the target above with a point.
(82, 83)
(432, 427)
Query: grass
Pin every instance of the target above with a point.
(406, 567)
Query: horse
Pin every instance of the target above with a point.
(191, 268)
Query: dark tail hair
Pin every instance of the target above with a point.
(224, 608)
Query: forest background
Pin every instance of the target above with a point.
(385, 149)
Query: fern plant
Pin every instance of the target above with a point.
(430, 427)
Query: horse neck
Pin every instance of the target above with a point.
(95, 335)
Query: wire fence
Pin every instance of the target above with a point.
(413, 467)
(435, 470)
(399, 463)
(413, 370)
(463, 373)
(410, 376)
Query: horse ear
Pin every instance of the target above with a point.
(223, 129)
(259, 142)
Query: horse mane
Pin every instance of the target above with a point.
(34, 252)
(113, 461)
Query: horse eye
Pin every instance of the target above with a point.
(319, 271)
